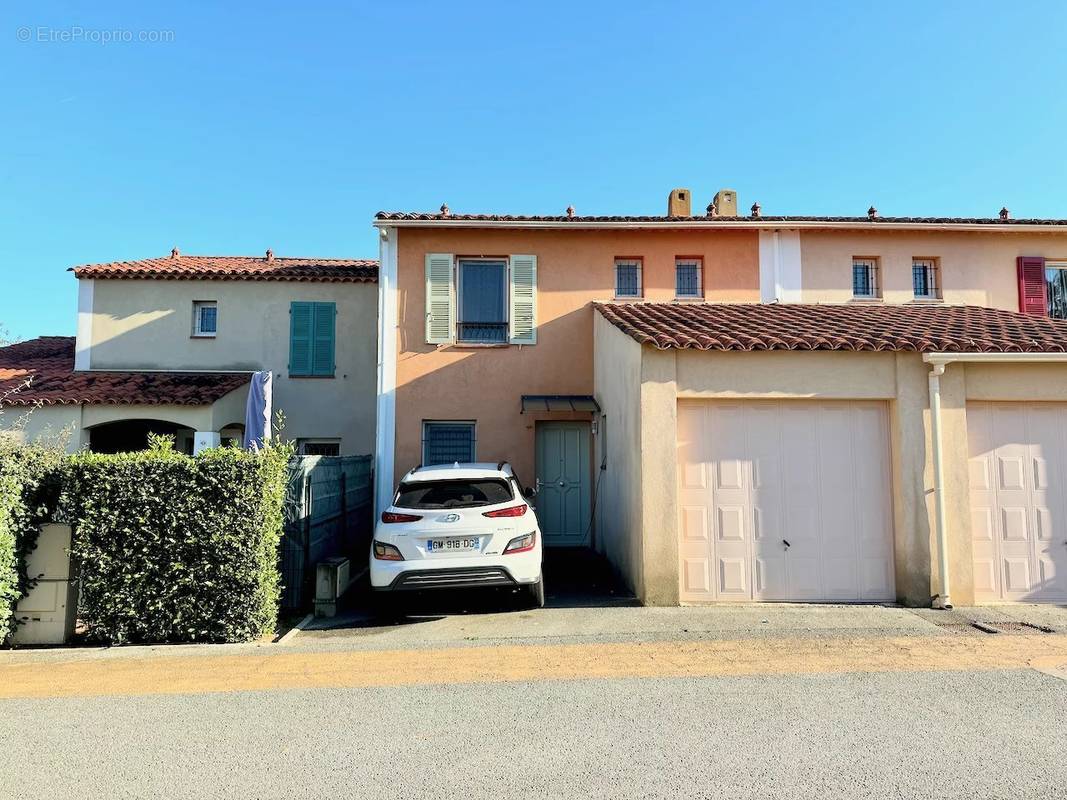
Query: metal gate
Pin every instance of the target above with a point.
(328, 512)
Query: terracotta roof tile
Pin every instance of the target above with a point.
(48, 363)
(256, 268)
(748, 327)
(993, 222)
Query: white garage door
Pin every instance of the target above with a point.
(785, 500)
(1018, 476)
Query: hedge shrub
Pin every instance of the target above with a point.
(29, 477)
(177, 548)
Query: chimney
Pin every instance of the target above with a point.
(872, 213)
(756, 209)
(725, 203)
(680, 203)
(570, 212)
(174, 253)
(270, 254)
(445, 210)
(1005, 215)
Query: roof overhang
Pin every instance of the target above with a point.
(994, 358)
(720, 224)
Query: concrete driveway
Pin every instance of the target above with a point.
(751, 701)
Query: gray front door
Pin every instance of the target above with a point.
(563, 481)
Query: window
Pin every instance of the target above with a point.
(1056, 289)
(627, 277)
(865, 279)
(453, 494)
(483, 301)
(447, 442)
(311, 339)
(688, 278)
(319, 447)
(205, 318)
(926, 278)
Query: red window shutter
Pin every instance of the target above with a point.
(1032, 296)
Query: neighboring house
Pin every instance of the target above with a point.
(168, 345)
(716, 448)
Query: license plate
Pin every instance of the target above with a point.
(457, 545)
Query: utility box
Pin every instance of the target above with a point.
(332, 579)
(47, 614)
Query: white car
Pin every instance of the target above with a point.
(458, 526)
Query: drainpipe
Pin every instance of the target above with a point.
(943, 600)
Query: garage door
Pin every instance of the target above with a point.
(1018, 477)
(785, 500)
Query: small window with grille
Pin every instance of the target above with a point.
(926, 278)
(688, 278)
(866, 280)
(628, 277)
(319, 447)
(447, 442)
(205, 318)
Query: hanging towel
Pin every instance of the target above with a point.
(258, 410)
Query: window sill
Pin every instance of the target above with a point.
(866, 300)
(202, 336)
(927, 301)
(478, 345)
(688, 300)
(628, 299)
(312, 377)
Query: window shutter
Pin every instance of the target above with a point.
(523, 314)
(322, 345)
(1032, 292)
(440, 305)
(300, 323)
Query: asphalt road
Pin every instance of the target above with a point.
(955, 734)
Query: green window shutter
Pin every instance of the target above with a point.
(322, 344)
(523, 300)
(300, 324)
(440, 302)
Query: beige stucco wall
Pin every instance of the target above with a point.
(148, 325)
(617, 371)
(48, 425)
(976, 268)
(574, 268)
(900, 379)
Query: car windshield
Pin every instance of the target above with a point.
(453, 493)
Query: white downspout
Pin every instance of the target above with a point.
(944, 598)
(385, 432)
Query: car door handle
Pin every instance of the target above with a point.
(787, 545)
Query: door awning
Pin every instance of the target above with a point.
(534, 403)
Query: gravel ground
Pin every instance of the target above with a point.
(885, 735)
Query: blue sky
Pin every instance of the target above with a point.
(286, 125)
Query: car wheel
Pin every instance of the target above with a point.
(534, 594)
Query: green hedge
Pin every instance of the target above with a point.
(177, 548)
(29, 478)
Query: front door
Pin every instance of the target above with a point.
(563, 483)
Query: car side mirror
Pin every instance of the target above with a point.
(529, 492)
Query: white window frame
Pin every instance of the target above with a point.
(874, 265)
(629, 261)
(302, 443)
(697, 261)
(426, 423)
(198, 306)
(458, 297)
(1060, 265)
(934, 267)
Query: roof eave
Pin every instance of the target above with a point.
(736, 224)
